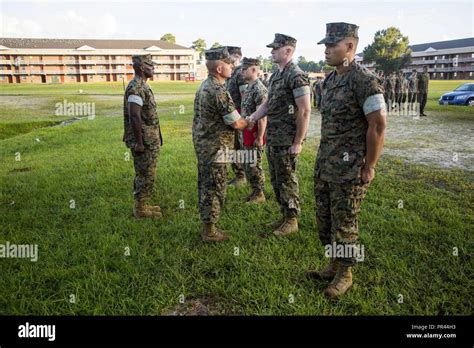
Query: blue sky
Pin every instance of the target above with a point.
(250, 24)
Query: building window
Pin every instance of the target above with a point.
(455, 74)
(436, 57)
(442, 74)
(470, 74)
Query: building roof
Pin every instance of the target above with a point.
(76, 43)
(443, 45)
(438, 45)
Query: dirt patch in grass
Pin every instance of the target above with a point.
(24, 102)
(196, 307)
(160, 97)
(20, 170)
(443, 140)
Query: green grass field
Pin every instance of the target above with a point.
(410, 266)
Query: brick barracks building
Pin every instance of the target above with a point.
(446, 60)
(68, 61)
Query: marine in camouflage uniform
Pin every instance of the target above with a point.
(213, 136)
(412, 87)
(265, 80)
(423, 81)
(404, 85)
(319, 83)
(313, 92)
(338, 185)
(285, 86)
(390, 89)
(236, 86)
(398, 89)
(138, 92)
(255, 94)
(384, 79)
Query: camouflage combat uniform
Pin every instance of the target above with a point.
(254, 95)
(398, 88)
(313, 93)
(214, 112)
(412, 88)
(318, 93)
(404, 89)
(145, 163)
(337, 177)
(236, 85)
(389, 89)
(284, 87)
(423, 80)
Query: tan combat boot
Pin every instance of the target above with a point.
(288, 227)
(327, 273)
(341, 282)
(156, 208)
(140, 211)
(257, 196)
(210, 233)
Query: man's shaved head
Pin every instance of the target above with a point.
(212, 65)
(219, 68)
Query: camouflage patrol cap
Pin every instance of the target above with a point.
(248, 62)
(234, 50)
(219, 53)
(139, 59)
(282, 40)
(335, 32)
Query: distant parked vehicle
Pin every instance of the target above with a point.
(463, 95)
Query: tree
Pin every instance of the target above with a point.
(389, 51)
(302, 63)
(200, 46)
(311, 66)
(216, 44)
(322, 66)
(266, 63)
(301, 60)
(169, 37)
